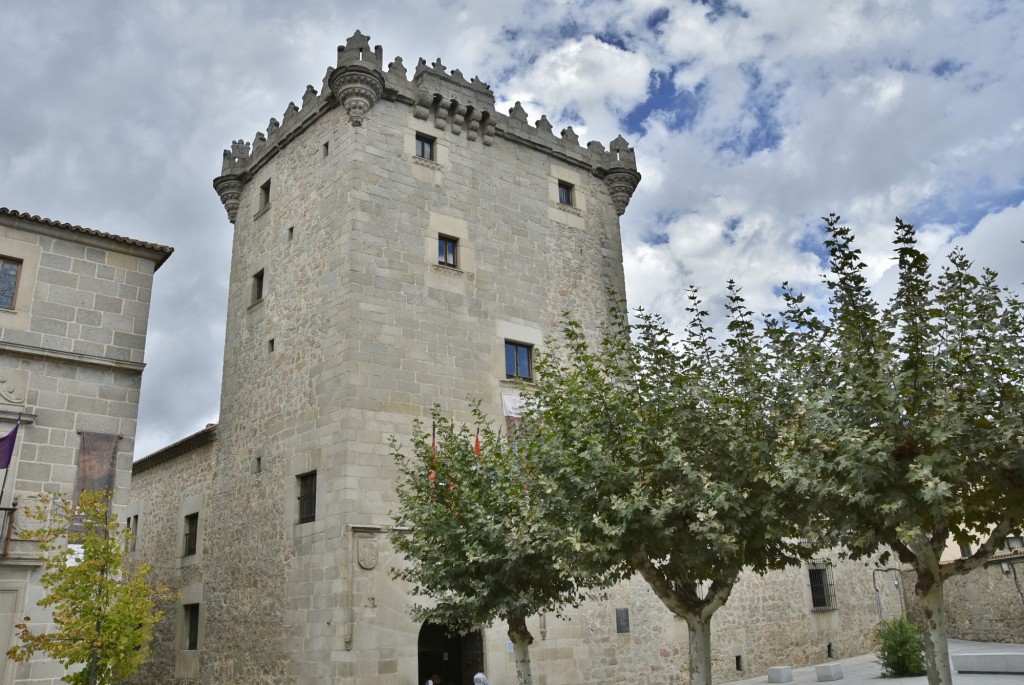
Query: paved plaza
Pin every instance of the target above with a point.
(865, 669)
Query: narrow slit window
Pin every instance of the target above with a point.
(190, 619)
(307, 497)
(257, 286)
(191, 537)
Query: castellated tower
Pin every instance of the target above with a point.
(398, 243)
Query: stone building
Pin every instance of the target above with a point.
(74, 307)
(398, 243)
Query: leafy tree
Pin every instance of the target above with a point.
(472, 530)
(103, 608)
(910, 430)
(658, 457)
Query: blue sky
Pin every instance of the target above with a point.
(750, 120)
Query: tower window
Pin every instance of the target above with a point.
(518, 360)
(307, 497)
(565, 193)
(190, 621)
(327, 149)
(265, 194)
(447, 251)
(191, 534)
(257, 287)
(10, 271)
(622, 620)
(425, 146)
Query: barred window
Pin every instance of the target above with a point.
(191, 534)
(307, 497)
(191, 626)
(823, 589)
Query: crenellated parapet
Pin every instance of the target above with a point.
(442, 97)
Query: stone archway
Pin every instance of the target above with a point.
(456, 658)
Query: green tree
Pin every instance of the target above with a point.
(911, 431)
(472, 530)
(658, 456)
(103, 608)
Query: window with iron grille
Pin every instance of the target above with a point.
(190, 621)
(1012, 543)
(823, 589)
(307, 497)
(191, 534)
(447, 251)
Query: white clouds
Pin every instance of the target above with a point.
(871, 108)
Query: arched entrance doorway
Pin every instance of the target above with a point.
(456, 658)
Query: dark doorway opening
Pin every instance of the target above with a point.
(456, 658)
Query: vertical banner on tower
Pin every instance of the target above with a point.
(97, 463)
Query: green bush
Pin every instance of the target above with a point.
(900, 648)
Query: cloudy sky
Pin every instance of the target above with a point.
(750, 120)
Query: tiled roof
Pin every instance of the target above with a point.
(186, 444)
(89, 231)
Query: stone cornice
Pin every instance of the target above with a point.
(35, 352)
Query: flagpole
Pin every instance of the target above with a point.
(8, 469)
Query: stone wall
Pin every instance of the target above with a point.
(984, 605)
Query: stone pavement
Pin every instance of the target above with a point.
(864, 669)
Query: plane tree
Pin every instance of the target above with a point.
(477, 544)
(910, 432)
(658, 456)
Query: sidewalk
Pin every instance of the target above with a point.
(864, 669)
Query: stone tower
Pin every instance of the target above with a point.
(398, 243)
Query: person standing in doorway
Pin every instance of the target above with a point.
(480, 679)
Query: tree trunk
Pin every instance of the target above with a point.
(521, 640)
(700, 649)
(936, 644)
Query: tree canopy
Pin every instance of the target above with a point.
(477, 544)
(910, 428)
(661, 454)
(103, 607)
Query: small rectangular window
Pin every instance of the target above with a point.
(518, 360)
(327, 148)
(10, 272)
(823, 590)
(565, 194)
(190, 625)
(257, 287)
(447, 251)
(270, 345)
(622, 620)
(307, 497)
(133, 530)
(191, 534)
(265, 194)
(425, 146)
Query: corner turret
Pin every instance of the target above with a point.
(358, 80)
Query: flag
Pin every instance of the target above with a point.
(476, 445)
(7, 447)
